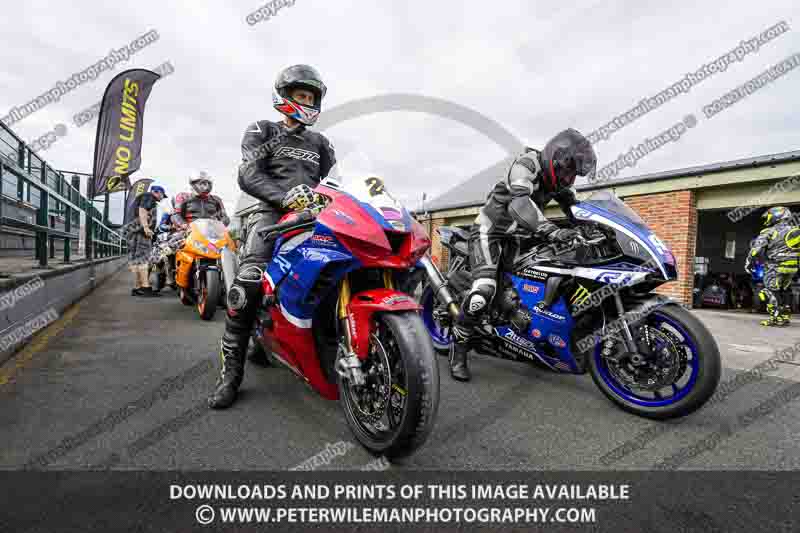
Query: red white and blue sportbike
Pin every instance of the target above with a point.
(333, 314)
(588, 306)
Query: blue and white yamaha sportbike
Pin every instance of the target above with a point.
(588, 306)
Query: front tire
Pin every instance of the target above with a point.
(209, 295)
(440, 334)
(186, 298)
(411, 388)
(690, 342)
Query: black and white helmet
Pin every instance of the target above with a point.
(201, 183)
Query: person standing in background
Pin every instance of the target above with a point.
(139, 235)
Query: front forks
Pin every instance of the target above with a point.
(441, 292)
(348, 365)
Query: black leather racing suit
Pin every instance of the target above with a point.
(275, 160)
(201, 206)
(519, 199)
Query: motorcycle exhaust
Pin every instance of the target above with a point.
(439, 286)
(230, 266)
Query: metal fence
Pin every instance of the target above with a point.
(29, 182)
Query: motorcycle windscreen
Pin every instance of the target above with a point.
(213, 230)
(359, 177)
(637, 239)
(610, 203)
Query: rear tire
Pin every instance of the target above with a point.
(209, 295)
(421, 401)
(708, 371)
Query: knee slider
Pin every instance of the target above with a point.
(249, 274)
(478, 298)
(245, 288)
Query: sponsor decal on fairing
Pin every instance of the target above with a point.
(556, 341)
(528, 287)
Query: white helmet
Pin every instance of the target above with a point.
(202, 183)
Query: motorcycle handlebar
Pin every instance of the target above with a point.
(562, 247)
(584, 241)
(303, 218)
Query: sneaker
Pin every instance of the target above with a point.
(136, 292)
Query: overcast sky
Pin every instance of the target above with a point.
(536, 67)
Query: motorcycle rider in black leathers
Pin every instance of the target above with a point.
(201, 204)
(779, 242)
(534, 179)
(282, 163)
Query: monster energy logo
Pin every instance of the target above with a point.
(580, 295)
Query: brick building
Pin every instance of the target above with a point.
(687, 208)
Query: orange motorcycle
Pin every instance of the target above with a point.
(198, 271)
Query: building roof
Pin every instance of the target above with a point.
(473, 191)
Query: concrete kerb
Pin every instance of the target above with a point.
(62, 287)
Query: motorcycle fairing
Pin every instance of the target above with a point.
(297, 270)
(389, 218)
(649, 246)
(346, 216)
(603, 275)
(516, 345)
(365, 304)
(364, 229)
(549, 327)
(295, 347)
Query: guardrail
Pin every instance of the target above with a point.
(31, 183)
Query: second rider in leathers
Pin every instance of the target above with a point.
(779, 244)
(282, 163)
(534, 179)
(200, 204)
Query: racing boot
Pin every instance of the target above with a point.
(230, 377)
(459, 354)
(774, 317)
(786, 314)
(242, 304)
(256, 354)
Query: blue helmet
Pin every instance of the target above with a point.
(158, 188)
